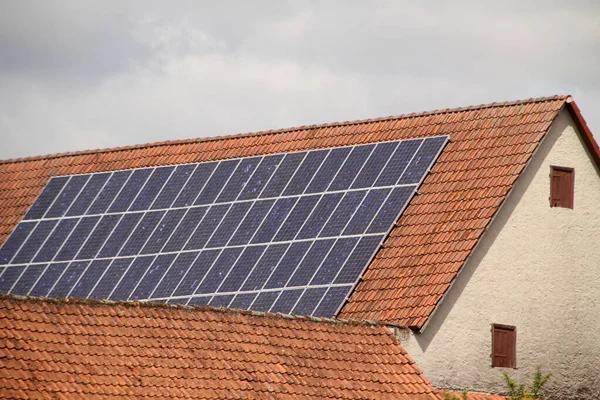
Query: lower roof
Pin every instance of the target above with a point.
(93, 349)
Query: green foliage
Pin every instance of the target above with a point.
(519, 391)
(451, 396)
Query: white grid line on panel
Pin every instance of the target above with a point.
(44, 242)
(184, 274)
(57, 196)
(100, 279)
(140, 190)
(154, 258)
(81, 191)
(193, 202)
(110, 175)
(339, 169)
(67, 265)
(229, 271)
(78, 279)
(346, 260)
(180, 190)
(257, 291)
(205, 274)
(231, 175)
(62, 245)
(229, 207)
(411, 160)
(326, 154)
(116, 285)
(213, 248)
(35, 225)
(17, 280)
(387, 162)
(250, 178)
(38, 279)
(225, 202)
(161, 187)
(297, 300)
(91, 232)
(362, 166)
(119, 192)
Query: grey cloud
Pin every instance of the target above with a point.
(80, 74)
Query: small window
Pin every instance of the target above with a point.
(504, 346)
(562, 186)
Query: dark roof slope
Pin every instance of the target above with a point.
(91, 349)
(490, 145)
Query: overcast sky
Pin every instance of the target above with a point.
(78, 75)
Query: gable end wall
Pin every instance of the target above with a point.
(537, 268)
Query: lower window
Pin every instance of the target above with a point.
(504, 346)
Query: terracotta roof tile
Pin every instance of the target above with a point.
(489, 147)
(91, 349)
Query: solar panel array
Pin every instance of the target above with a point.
(288, 233)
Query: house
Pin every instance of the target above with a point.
(497, 238)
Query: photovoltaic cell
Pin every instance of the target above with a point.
(55, 240)
(130, 190)
(46, 282)
(89, 278)
(88, 194)
(286, 301)
(261, 176)
(68, 279)
(46, 198)
(67, 196)
(29, 278)
(154, 184)
(108, 193)
(14, 242)
(332, 301)
(243, 301)
(194, 185)
(34, 242)
(289, 233)
(173, 186)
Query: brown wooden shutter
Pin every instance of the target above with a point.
(562, 187)
(504, 346)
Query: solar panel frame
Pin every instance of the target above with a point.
(138, 182)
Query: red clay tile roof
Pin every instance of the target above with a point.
(91, 349)
(490, 145)
(477, 396)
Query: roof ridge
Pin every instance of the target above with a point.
(289, 129)
(221, 310)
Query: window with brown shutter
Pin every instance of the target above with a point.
(562, 187)
(504, 346)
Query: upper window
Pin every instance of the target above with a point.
(562, 187)
(504, 346)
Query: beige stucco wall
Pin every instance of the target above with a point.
(537, 268)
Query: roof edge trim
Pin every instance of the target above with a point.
(584, 130)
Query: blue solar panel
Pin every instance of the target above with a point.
(289, 233)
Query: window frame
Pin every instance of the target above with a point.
(569, 201)
(514, 355)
